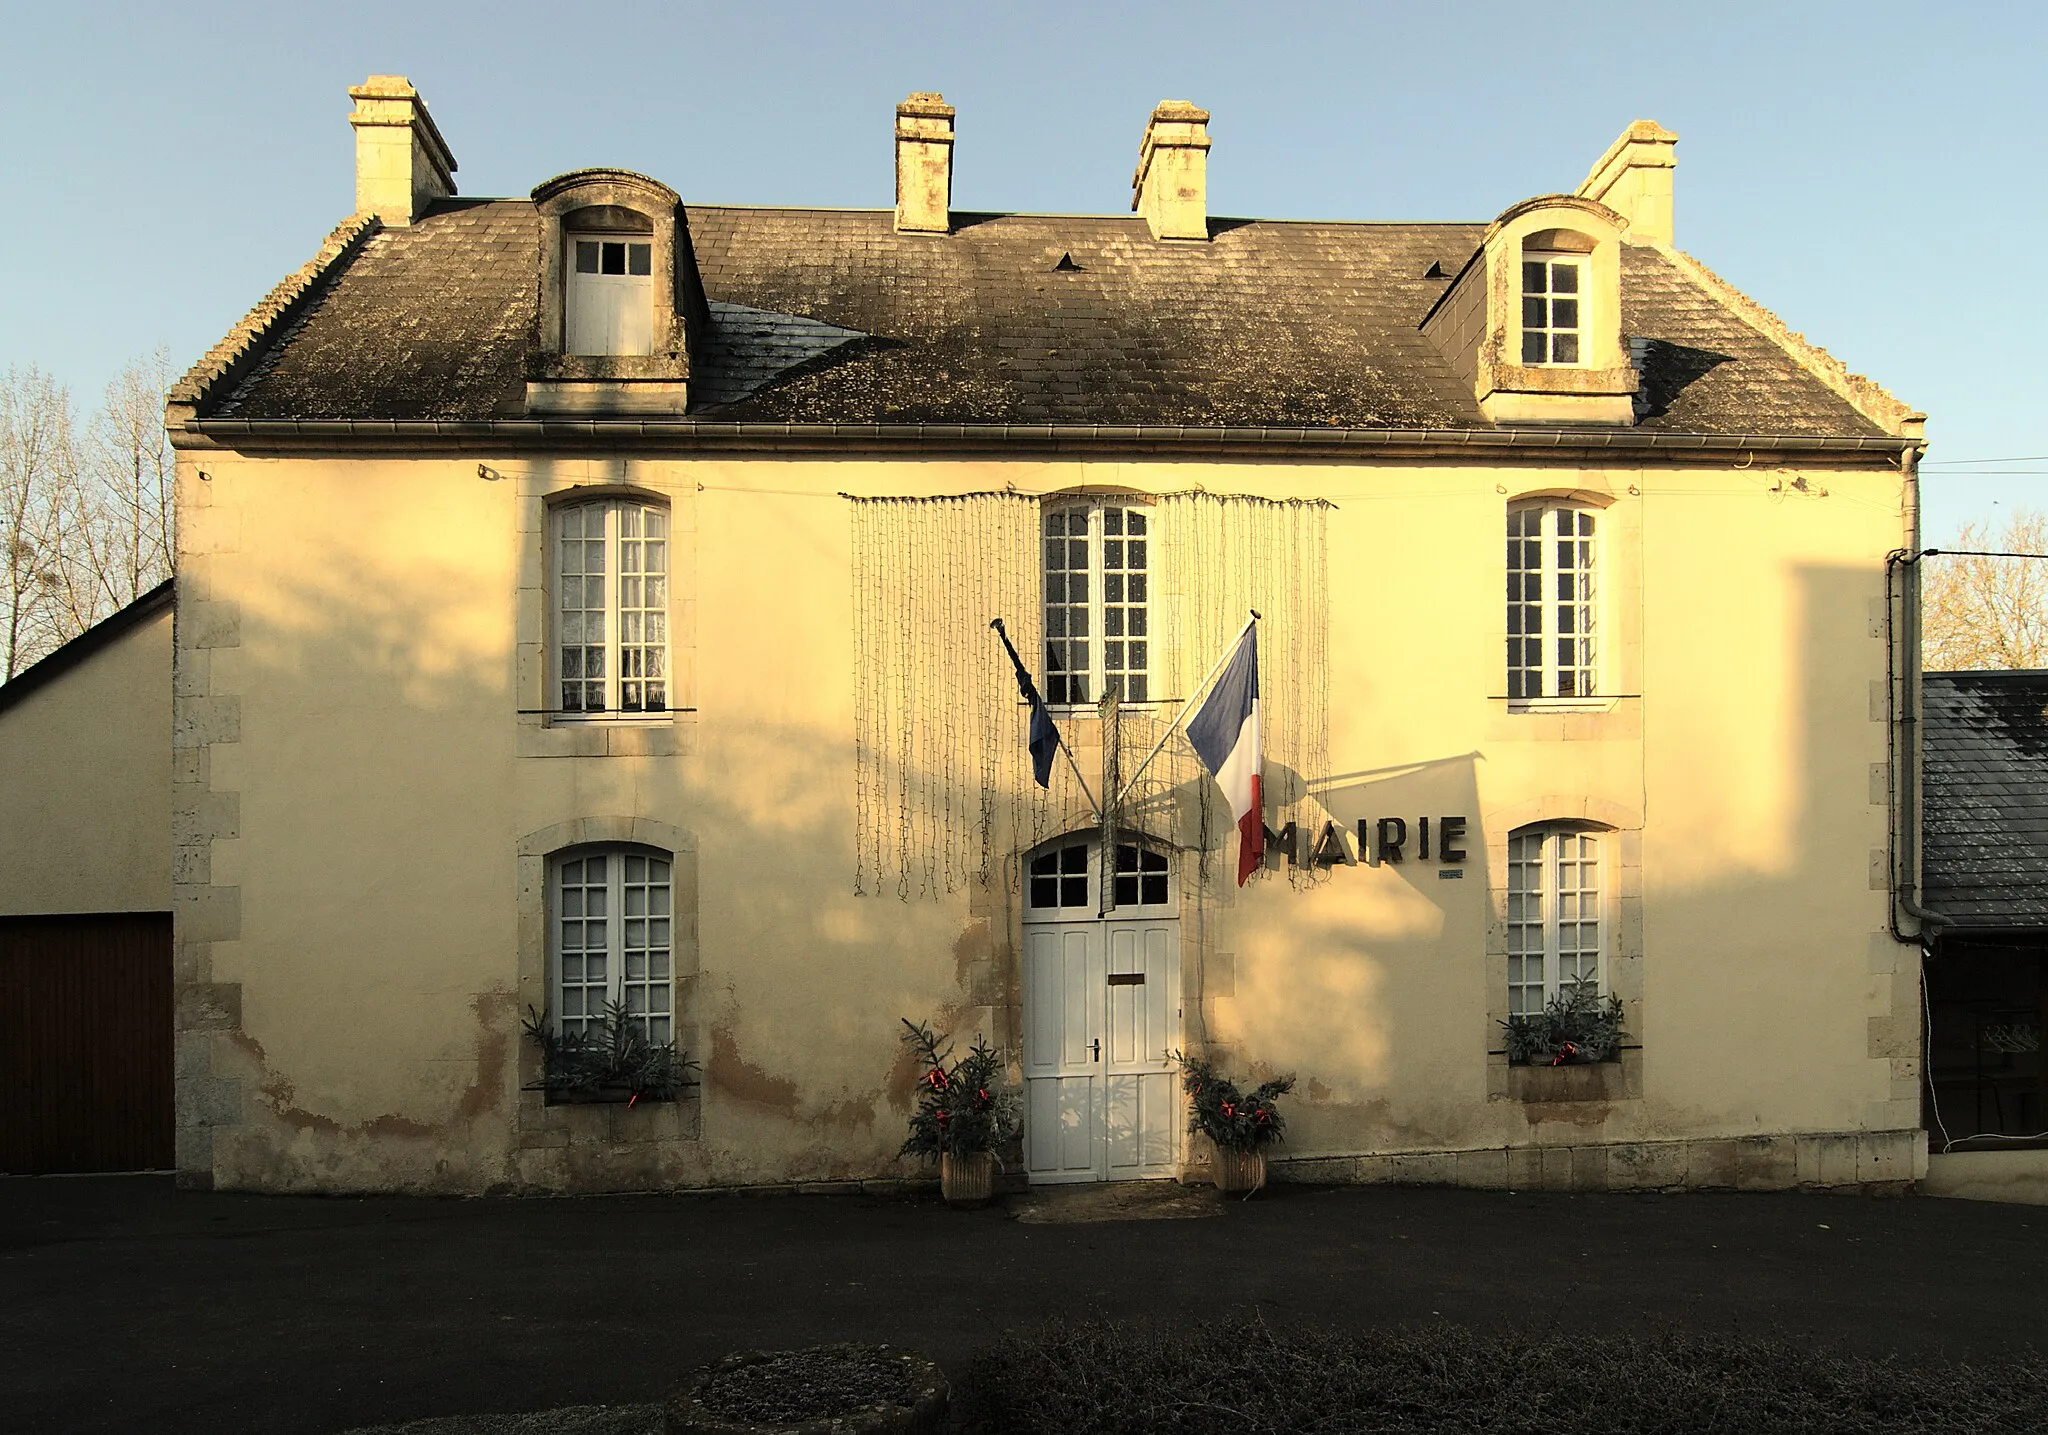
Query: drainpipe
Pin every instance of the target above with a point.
(1903, 696)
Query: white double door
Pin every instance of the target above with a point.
(1102, 1007)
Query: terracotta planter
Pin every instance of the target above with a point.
(968, 1180)
(1238, 1171)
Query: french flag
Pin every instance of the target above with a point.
(1225, 734)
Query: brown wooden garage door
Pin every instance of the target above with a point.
(85, 1043)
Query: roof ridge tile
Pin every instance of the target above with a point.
(204, 377)
(1863, 394)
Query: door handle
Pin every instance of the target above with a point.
(1097, 1045)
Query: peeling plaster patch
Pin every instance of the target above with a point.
(493, 1051)
(1318, 1093)
(483, 1093)
(971, 947)
(742, 1080)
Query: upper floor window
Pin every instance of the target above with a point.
(1556, 922)
(1552, 314)
(1097, 613)
(609, 299)
(613, 939)
(611, 607)
(1552, 612)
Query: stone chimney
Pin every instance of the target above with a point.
(1171, 187)
(1634, 179)
(924, 165)
(402, 163)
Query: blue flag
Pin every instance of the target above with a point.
(1044, 739)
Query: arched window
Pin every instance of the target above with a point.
(1557, 912)
(1098, 636)
(611, 607)
(1553, 608)
(612, 931)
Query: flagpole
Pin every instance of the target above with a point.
(1229, 649)
(1058, 736)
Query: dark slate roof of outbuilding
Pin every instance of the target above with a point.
(1985, 755)
(1270, 324)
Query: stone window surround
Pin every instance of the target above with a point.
(536, 851)
(1624, 955)
(1601, 387)
(557, 203)
(540, 491)
(1615, 709)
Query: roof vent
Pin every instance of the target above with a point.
(1435, 270)
(1066, 265)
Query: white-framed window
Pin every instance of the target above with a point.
(1557, 927)
(609, 299)
(1553, 607)
(1097, 603)
(611, 607)
(613, 927)
(1553, 308)
(1060, 880)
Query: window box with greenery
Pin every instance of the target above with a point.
(1577, 1027)
(609, 1060)
(1239, 1126)
(963, 1113)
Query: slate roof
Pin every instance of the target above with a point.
(1985, 756)
(1010, 319)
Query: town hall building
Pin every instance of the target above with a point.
(582, 623)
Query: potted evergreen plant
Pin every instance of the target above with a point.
(1239, 1126)
(963, 1113)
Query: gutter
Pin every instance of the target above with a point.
(1902, 696)
(719, 436)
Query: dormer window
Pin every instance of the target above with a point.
(610, 298)
(1534, 318)
(621, 304)
(1551, 308)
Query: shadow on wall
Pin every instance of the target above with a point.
(381, 801)
(1772, 997)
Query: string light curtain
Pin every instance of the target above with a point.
(943, 790)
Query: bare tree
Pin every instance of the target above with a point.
(133, 488)
(86, 520)
(1987, 612)
(38, 471)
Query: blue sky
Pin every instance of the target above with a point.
(1870, 171)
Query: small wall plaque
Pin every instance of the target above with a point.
(1450, 874)
(1127, 979)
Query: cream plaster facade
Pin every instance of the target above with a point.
(366, 796)
(85, 781)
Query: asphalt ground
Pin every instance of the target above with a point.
(127, 1305)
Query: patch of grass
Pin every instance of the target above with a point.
(1243, 1377)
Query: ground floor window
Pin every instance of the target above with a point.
(1556, 922)
(1987, 1085)
(613, 923)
